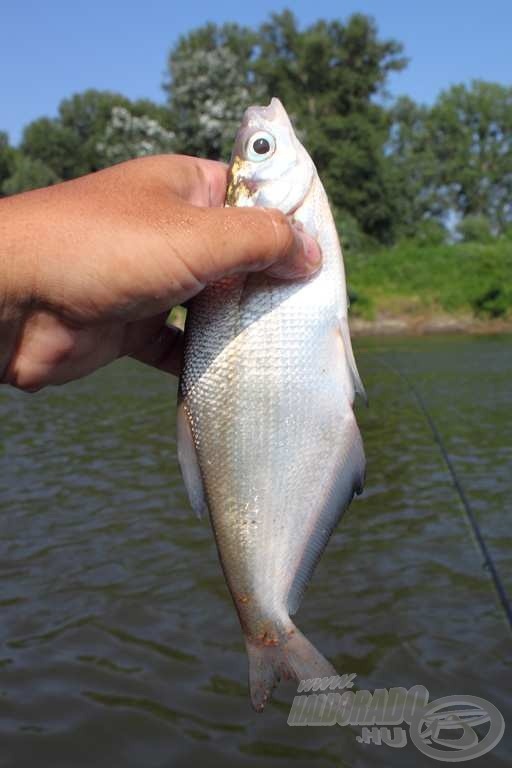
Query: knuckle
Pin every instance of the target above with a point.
(198, 192)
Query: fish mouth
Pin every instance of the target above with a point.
(240, 187)
(272, 112)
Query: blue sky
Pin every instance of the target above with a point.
(50, 49)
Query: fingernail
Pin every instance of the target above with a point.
(311, 249)
(303, 260)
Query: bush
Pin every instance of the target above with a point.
(463, 277)
(360, 305)
(430, 232)
(350, 233)
(475, 229)
(492, 302)
(507, 233)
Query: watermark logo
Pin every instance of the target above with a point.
(451, 729)
(457, 716)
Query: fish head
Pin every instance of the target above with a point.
(269, 165)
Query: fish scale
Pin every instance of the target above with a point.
(267, 438)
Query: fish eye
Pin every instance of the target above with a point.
(260, 146)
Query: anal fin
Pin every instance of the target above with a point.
(347, 343)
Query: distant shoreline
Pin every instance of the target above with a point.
(423, 325)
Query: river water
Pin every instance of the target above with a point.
(119, 645)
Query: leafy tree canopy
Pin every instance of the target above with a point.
(455, 157)
(398, 171)
(6, 160)
(471, 135)
(127, 136)
(73, 143)
(210, 83)
(27, 173)
(326, 75)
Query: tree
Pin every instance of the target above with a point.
(127, 136)
(73, 143)
(475, 228)
(471, 134)
(57, 146)
(210, 84)
(413, 169)
(87, 116)
(327, 77)
(67, 143)
(6, 160)
(26, 174)
(329, 68)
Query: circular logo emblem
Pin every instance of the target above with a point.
(444, 729)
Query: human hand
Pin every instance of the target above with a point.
(93, 266)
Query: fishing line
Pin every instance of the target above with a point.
(488, 561)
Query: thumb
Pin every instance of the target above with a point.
(235, 240)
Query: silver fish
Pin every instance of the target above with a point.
(267, 438)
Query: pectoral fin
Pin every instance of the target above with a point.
(347, 343)
(187, 457)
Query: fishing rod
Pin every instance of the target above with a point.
(488, 561)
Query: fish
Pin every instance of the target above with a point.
(267, 438)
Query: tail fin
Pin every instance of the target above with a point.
(293, 658)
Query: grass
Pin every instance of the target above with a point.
(458, 279)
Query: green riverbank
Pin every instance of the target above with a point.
(421, 289)
(413, 288)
